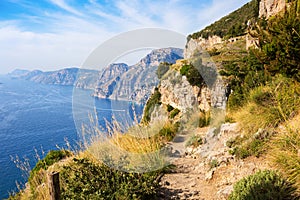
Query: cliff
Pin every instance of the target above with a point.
(67, 76)
(116, 81)
(135, 83)
(269, 8)
(109, 78)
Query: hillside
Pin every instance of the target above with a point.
(135, 82)
(232, 25)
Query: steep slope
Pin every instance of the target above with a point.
(136, 82)
(109, 78)
(232, 25)
(116, 81)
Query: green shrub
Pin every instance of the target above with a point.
(213, 163)
(244, 75)
(52, 157)
(194, 141)
(83, 179)
(150, 105)
(269, 105)
(263, 185)
(174, 112)
(192, 74)
(168, 132)
(242, 148)
(280, 42)
(162, 69)
(170, 108)
(38, 174)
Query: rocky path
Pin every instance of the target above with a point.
(207, 172)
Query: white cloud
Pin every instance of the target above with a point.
(62, 4)
(24, 49)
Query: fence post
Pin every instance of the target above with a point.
(54, 187)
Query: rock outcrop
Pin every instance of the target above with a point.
(269, 8)
(109, 78)
(201, 43)
(176, 91)
(137, 82)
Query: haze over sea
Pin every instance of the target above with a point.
(36, 116)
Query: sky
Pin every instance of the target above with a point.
(55, 34)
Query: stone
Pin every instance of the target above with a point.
(225, 192)
(209, 175)
(268, 8)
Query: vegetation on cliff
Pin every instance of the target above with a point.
(232, 25)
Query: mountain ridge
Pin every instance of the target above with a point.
(116, 81)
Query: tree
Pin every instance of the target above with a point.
(279, 42)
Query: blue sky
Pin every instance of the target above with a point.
(53, 34)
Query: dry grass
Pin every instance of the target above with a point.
(137, 150)
(268, 106)
(285, 150)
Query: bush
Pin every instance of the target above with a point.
(174, 112)
(38, 174)
(252, 147)
(192, 74)
(213, 164)
(194, 141)
(245, 74)
(168, 132)
(83, 179)
(204, 119)
(150, 105)
(269, 105)
(52, 157)
(280, 42)
(266, 185)
(162, 69)
(170, 108)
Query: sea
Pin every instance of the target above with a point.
(36, 118)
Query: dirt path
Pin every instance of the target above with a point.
(196, 177)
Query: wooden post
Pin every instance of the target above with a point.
(54, 187)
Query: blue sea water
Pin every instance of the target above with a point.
(35, 116)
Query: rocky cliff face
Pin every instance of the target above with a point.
(136, 82)
(269, 8)
(68, 76)
(61, 77)
(178, 92)
(109, 78)
(195, 44)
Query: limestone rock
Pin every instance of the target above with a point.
(137, 83)
(269, 8)
(200, 44)
(109, 79)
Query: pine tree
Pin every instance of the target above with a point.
(279, 42)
